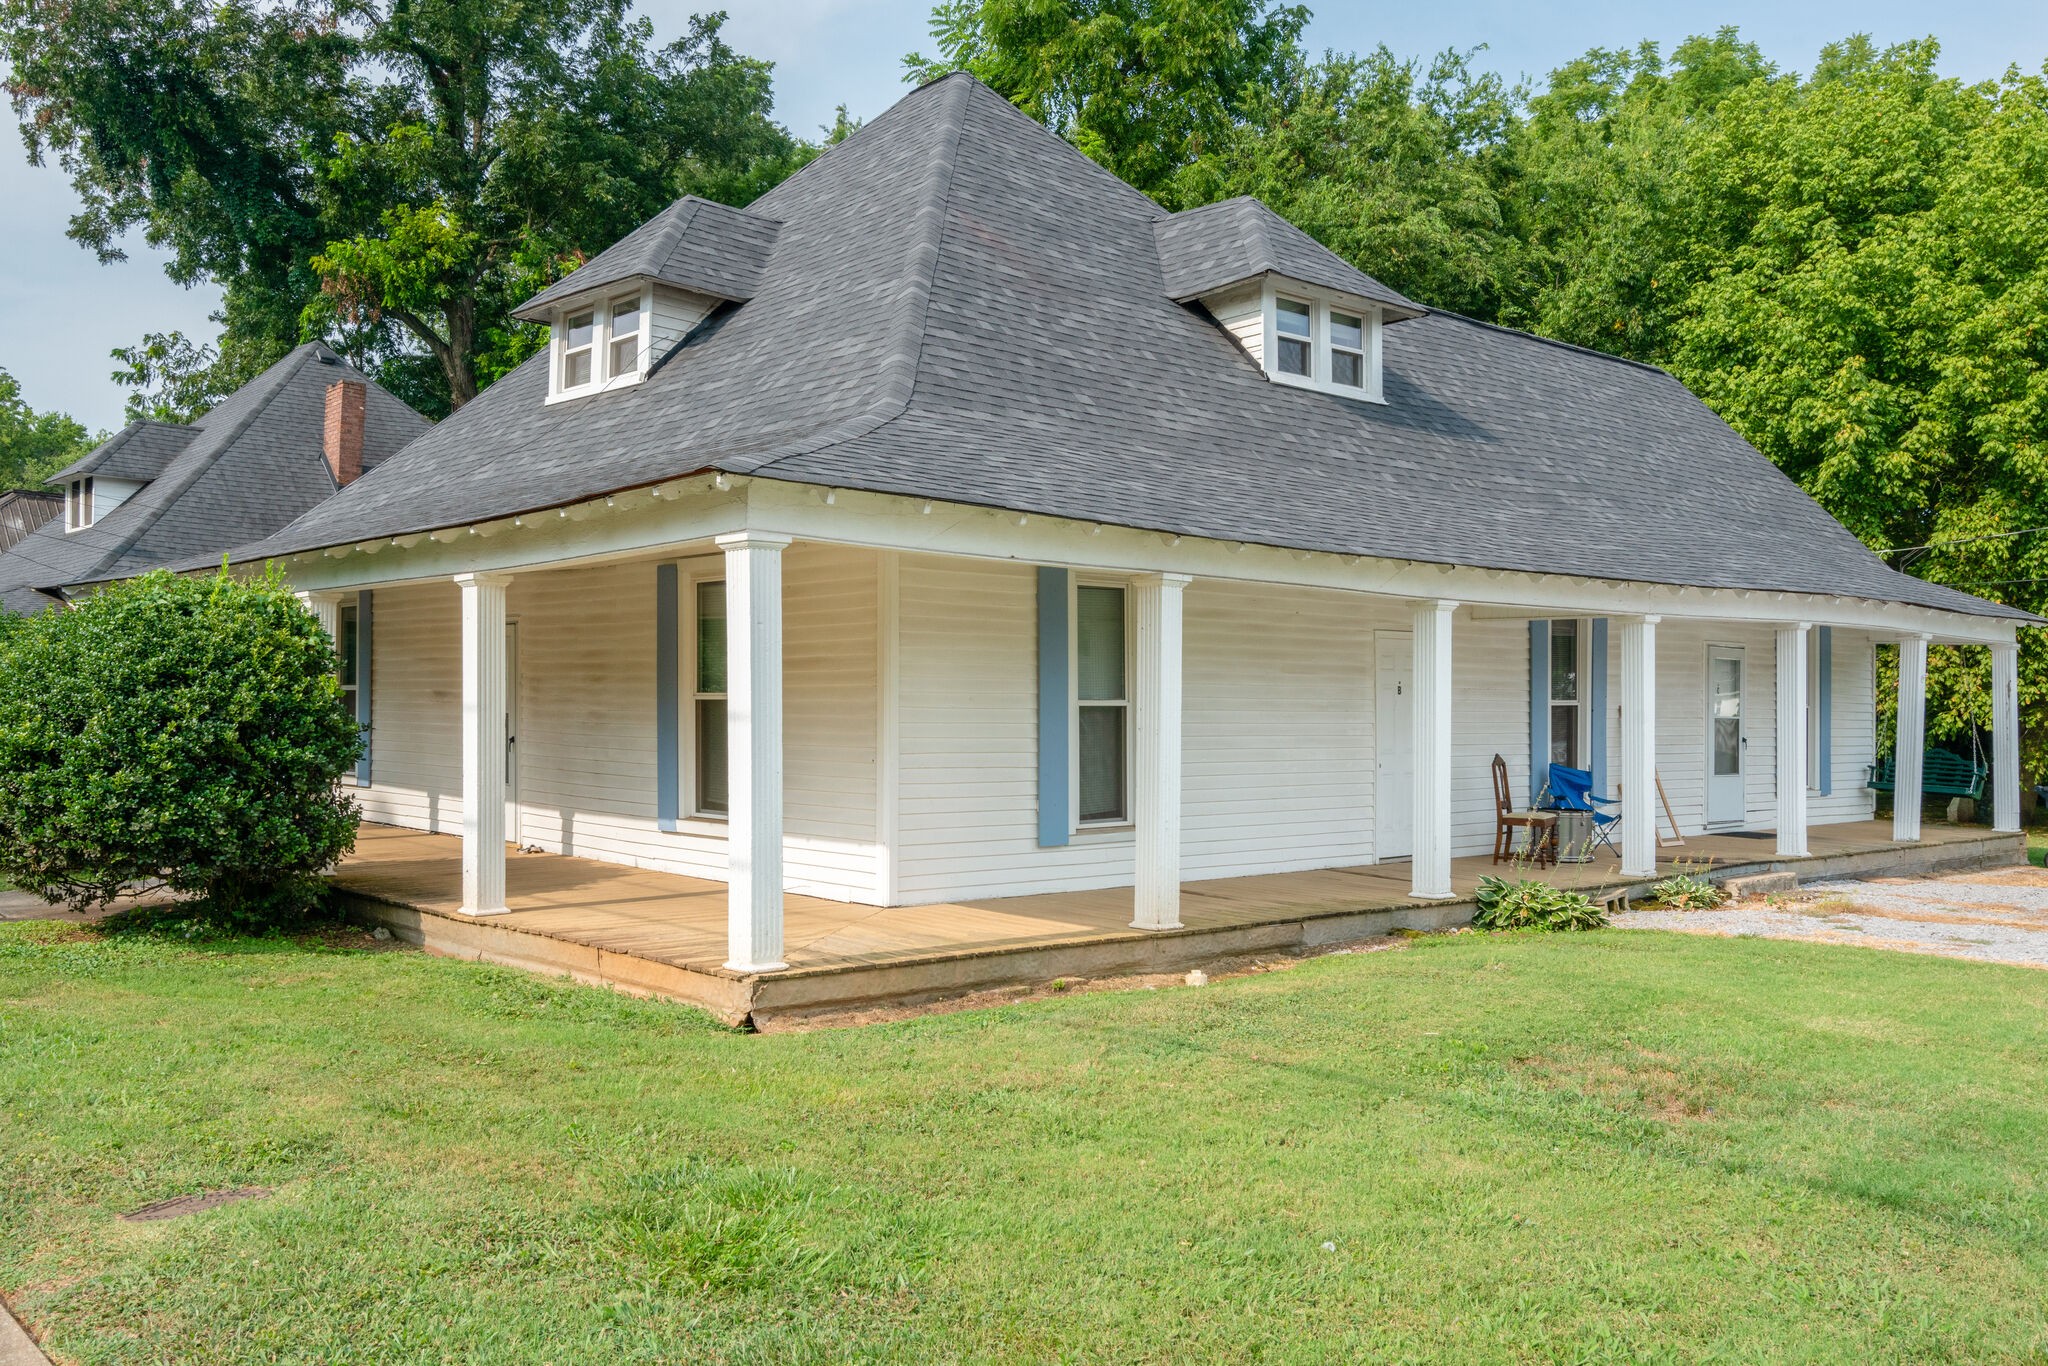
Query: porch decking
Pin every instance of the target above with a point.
(664, 934)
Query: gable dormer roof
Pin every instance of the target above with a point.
(139, 451)
(693, 244)
(1211, 248)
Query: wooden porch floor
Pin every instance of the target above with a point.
(680, 921)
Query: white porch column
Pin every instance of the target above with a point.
(483, 742)
(753, 728)
(2005, 737)
(1792, 777)
(1638, 773)
(1155, 768)
(1431, 869)
(1912, 738)
(326, 609)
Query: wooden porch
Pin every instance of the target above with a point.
(664, 934)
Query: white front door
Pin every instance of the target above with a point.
(1727, 741)
(512, 732)
(1394, 732)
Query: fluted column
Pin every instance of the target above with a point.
(1638, 775)
(1431, 869)
(326, 609)
(1912, 738)
(2005, 737)
(753, 722)
(1792, 778)
(1155, 769)
(483, 742)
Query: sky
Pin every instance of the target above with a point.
(61, 312)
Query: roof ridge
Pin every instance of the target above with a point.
(1560, 344)
(300, 357)
(937, 200)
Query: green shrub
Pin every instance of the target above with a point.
(1688, 892)
(1532, 905)
(186, 732)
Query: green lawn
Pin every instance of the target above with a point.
(1616, 1146)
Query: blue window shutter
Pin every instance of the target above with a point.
(1539, 708)
(365, 670)
(1825, 722)
(668, 720)
(1596, 704)
(1053, 711)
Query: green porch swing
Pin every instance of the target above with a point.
(1943, 773)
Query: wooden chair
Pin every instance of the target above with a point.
(1541, 825)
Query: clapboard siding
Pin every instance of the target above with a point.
(1854, 727)
(1242, 314)
(416, 709)
(585, 709)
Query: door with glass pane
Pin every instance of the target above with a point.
(1394, 731)
(1727, 741)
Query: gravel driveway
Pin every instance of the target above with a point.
(1995, 915)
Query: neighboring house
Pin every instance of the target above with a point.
(161, 494)
(954, 522)
(22, 511)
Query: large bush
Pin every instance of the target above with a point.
(181, 731)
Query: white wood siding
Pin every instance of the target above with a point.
(674, 313)
(1242, 313)
(586, 706)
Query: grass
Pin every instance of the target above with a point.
(1602, 1147)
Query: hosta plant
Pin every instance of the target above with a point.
(1533, 905)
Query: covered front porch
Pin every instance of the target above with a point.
(664, 934)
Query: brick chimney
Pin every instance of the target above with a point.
(343, 436)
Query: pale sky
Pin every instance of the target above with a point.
(61, 312)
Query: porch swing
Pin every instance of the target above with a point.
(1943, 773)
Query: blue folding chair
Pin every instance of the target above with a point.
(1571, 789)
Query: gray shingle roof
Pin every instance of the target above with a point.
(1202, 250)
(693, 243)
(248, 467)
(961, 306)
(139, 451)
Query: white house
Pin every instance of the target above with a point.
(953, 522)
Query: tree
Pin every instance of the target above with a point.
(1385, 163)
(33, 445)
(393, 175)
(1141, 86)
(188, 731)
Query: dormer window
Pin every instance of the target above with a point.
(625, 334)
(1294, 320)
(78, 505)
(599, 346)
(579, 332)
(1347, 350)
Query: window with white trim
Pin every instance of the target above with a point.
(708, 768)
(1329, 343)
(1813, 709)
(348, 644)
(599, 345)
(78, 504)
(1102, 705)
(1567, 705)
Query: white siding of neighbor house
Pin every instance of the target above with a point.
(1682, 722)
(586, 715)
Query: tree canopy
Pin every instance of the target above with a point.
(393, 175)
(33, 445)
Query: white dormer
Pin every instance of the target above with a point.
(1303, 335)
(609, 341)
(89, 499)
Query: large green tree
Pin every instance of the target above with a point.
(391, 174)
(33, 445)
(1142, 86)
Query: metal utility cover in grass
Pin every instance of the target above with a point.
(179, 1205)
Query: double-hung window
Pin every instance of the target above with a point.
(625, 335)
(1295, 323)
(710, 795)
(1347, 350)
(78, 505)
(579, 344)
(1102, 705)
(1566, 746)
